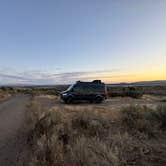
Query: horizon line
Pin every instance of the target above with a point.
(112, 83)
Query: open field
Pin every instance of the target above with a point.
(121, 131)
(113, 133)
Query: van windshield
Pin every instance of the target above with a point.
(70, 87)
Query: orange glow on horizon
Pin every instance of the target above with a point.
(144, 75)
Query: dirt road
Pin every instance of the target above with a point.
(13, 138)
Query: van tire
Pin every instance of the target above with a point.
(69, 100)
(98, 99)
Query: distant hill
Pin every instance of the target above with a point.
(151, 83)
(142, 83)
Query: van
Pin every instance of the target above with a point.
(94, 91)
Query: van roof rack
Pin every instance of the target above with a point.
(96, 81)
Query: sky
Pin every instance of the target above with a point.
(61, 41)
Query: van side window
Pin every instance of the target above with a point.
(80, 89)
(76, 88)
(88, 88)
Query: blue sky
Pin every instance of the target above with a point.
(60, 41)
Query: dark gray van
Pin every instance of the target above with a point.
(94, 91)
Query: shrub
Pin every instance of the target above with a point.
(126, 91)
(160, 115)
(90, 123)
(46, 124)
(137, 118)
(130, 115)
(33, 114)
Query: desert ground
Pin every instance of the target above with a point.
(25, 128)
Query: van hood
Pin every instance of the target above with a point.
(64, 92)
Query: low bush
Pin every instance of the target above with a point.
(90, 123)
(160, 116)
(143, 119)
(125, 92)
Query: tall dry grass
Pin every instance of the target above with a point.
(90, 139)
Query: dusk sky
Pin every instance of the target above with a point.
(61, 41)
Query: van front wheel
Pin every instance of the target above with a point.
(69, 100)
(98, 99)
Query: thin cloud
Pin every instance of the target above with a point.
(41, 77)
(12, 77)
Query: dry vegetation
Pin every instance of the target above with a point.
(137, 91)
(132, 91)
(4, 95)
(75, 136)
(91, 135)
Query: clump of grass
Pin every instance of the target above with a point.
(130, 115)
(92, 151)
(139, 119)
(160, 116)
(143, 119)
(33, 114)
(90, 123)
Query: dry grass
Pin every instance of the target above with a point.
(4, 95)
(93, 138)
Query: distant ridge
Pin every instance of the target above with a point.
(142, 83)
(151, 83)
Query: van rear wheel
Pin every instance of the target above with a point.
(98, 99)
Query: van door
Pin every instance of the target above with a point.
(90, 89)
(78, 92)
